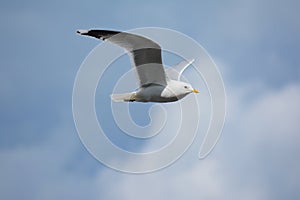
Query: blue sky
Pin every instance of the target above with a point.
(254, 43)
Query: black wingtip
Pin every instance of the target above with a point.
(100, 34)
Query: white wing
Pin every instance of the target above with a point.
(176, 71)
(145, 54)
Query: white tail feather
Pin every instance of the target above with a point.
(123, 97)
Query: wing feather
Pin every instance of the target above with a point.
(145, 54)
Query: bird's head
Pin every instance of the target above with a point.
(180, 89)
(187, 88)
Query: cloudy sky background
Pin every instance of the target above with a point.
(256, 45)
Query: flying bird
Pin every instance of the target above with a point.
(155, 83)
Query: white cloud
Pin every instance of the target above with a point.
(238, 168)
(194, 182)
(276, 116)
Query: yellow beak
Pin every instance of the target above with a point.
(196, 91)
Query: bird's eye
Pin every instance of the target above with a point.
(185, 87)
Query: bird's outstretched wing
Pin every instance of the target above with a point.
(144, 53)
(176, 71)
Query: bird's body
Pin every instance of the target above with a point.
(159, 93)
(156, 84)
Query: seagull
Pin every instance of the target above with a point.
(155, 83)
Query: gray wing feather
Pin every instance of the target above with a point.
(144, 53)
